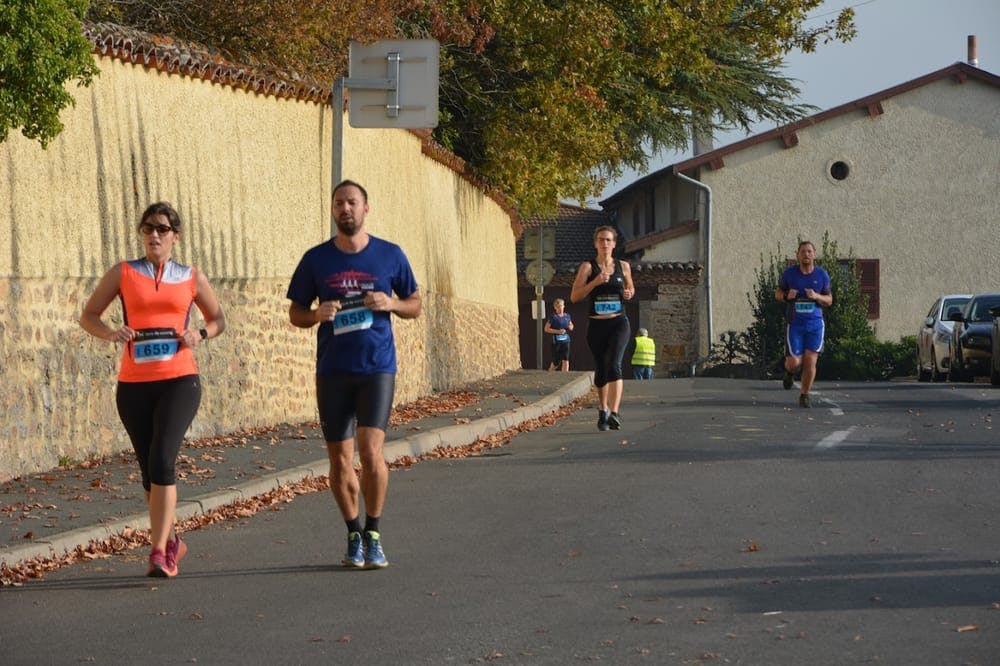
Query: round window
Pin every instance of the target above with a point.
(840, 170)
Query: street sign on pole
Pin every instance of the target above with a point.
(544, 238)
(539, 273)
(393, 83)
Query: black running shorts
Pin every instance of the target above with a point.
(345, 400)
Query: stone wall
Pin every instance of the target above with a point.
(249, 172)
(673, 325)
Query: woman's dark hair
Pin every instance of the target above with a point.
(166, 210)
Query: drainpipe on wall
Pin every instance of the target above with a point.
(708, 262)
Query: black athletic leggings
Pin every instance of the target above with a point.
(156, 415)
(607, 339)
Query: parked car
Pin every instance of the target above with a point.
(934, 337)
(972, 338)
(995, 358)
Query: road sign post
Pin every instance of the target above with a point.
(393, 83)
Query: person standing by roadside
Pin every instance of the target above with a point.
(559, 326)
(159, 389)
(805, 289)
(607, 282)
(357, 281)
(644, 357)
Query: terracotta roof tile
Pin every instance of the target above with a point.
(574, 231)
(177, 56)
(872, 104)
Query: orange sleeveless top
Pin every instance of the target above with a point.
(156, 302)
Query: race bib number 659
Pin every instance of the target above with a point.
(152, 345)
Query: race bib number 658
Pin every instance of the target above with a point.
(355, 319)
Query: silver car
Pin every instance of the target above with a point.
(934, 338)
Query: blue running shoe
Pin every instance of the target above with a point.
(602, 419)
(355, 556)
(615, 421)
(374, 557)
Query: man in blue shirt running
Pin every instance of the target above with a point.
(805, 288)
(356, 281)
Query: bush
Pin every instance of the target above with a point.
(852, 351)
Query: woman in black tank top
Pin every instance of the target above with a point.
(607, 283)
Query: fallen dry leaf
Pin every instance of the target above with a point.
(967, 627)
(129, 539)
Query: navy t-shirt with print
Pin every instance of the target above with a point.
(358, 341)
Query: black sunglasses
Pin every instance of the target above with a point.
(161, 229)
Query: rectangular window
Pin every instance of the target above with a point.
(868, 279)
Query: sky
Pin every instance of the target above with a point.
(897, 40)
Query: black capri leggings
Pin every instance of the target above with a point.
(607, 339)
(156, 415)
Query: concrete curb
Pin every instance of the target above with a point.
(413, 445)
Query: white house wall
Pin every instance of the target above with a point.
(922, 197)
(683, 248)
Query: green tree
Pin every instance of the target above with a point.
(851, 349)
(543, 99)
(765, 337)
(42, 47)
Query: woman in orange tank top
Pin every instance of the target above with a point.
(158, 389)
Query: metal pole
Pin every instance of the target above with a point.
(539, 303)
(337, 156)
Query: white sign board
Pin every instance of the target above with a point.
(394, 83)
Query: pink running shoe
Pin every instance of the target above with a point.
(158, 565)
(176, 549)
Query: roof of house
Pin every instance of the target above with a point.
(787, 134)
(574, 244)
(574, 232)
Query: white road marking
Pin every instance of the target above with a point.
(834, 439)
(834, 408)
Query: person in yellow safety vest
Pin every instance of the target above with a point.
(644, 357)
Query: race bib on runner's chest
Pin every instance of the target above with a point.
(154, 345)
(354, 316)
(805, 307)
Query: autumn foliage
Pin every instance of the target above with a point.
(543, 100)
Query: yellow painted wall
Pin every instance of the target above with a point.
(250, 177)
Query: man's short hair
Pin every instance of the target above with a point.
(643, 332)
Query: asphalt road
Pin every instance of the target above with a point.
(722, 525)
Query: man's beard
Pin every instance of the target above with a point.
(348, 226)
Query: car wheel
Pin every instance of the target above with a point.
(936, 375)
(923, 375)
(955, 373)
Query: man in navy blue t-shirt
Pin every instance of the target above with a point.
(805, 288)
(357, 281)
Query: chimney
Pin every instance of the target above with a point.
(701, 142)
(973, 51)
